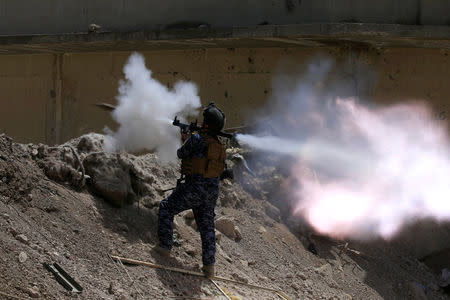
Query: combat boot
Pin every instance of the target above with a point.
(208, 271)
(162, 251)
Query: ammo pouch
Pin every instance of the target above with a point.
(210, 166)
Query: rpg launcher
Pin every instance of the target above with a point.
(193, 126)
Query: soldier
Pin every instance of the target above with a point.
(202, 164)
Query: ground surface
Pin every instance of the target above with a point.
(47, 220)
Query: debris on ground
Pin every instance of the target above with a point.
(77, 206)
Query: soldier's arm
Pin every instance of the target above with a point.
(189, 147)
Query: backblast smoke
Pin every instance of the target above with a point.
(146, 109)
(375, 168)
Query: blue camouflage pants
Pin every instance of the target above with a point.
(201, 198)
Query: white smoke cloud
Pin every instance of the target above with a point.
(146, 109)
(377, 168)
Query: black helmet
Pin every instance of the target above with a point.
(213, 118)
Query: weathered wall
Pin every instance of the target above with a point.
(50, 16)
(27, 97)
(34, 107)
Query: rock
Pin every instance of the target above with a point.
(189, 215)
(239, 277)
(175, 224)
(191, 250)
(60, 171)
(194, 225)
(22, 238)
(225, 255)
(229, 199)
(325, 270)
(295, 286)
(23, 257)
(261, 229)
(272, 211)
(90, 143)
(33, 292)
(302, 276)
(110, 177)
(262, 277)
(120, 291)
(226, 226)
(237, 233)
(218, 236)
(226, 182)
(244, 263)
(111, 189)
(252, 262)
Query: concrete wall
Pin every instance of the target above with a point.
(27, 97)
(50, 98)
(51, 16)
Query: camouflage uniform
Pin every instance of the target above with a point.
(196, 193)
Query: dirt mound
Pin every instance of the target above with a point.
(17, 176)
(75, 205)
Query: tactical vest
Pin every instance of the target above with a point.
(209, 166)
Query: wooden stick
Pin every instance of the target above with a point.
(220, 289)
(186, 297)
(344, 249)
(282, 295)
(156, 266)
(179, 270)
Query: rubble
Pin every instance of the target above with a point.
(238, 234)
(23, 257)
(110, 178)
(33, 292)
(228, 228)
(22, 238)
(46, 215)
(272, 211)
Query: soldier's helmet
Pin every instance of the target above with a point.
(213, 118)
